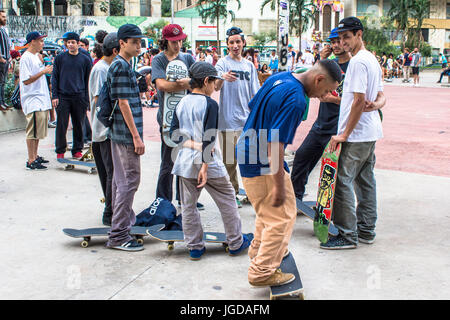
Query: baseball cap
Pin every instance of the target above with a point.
(34, 35)
(72, 36)
(173, 32)
(129, 31)
(203, 69)
(350, 23)
(111, 41)
(290, 45)
(334, 34)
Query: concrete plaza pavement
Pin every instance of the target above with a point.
(409, 259)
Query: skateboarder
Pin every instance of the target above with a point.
(126, 134)
(358, 132)
(198, 163)
(171, 42)
(70, 89)
(101, 144)
(276, 111)
(34, 98)
(239, 86)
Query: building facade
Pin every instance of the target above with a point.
(436, 29)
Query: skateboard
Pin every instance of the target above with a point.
(292, 289)
(176, 69)
(325, 194)
(172, 236)
(86, 234)
(70, 165)
(243, 194)
(307, 210)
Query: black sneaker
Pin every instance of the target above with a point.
(338, 243)
(200, 206)
(131, 245)
(41, 160)
(35, 166)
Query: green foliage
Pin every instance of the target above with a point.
(213, 10)
(273, 4)
(121, 20)
(166, 8)
(154, 30)
(301, 16)
(376, 39)
(262, 38)
(115, 7)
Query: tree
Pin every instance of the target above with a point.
(166, 8)
(27, 7)
(420, 12)
(375, 37)
(399, 13)
(154, 30)
(261, 39)
(214, 10)
(274, 5)
(301, 17)
(115, 7)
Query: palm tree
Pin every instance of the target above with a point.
(274, 5)
(214, 10)
(399, 14)
(420, 11)
(301, 17)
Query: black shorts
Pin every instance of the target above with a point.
(415, 70)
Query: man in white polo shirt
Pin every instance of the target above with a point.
(35, 98)
(359, 128)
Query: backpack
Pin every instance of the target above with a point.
(161, 211)
(105, 108)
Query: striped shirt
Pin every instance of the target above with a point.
(123, 85)
(4, 43)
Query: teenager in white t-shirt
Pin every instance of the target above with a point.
(34, 98)
(359, 128)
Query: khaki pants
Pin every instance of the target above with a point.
(273, 226)
(228, 142)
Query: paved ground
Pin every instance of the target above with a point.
(409, 260)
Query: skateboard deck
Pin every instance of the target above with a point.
(70, 164)
(87, 234)
(325, 194)
(307, 210)
(171, 236)
(243, 196)
(176, 69)
(292, 289)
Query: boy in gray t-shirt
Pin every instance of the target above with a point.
(239, 86)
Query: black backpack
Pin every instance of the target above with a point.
(105, 107)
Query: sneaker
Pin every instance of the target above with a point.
(366, 241)
(238, 202)
(245, 244)
(51, 124)
(41, 160)
(196, 254)
(35, 166)
(277, 279)
(200, 206)
(77, 156)
(338, 243)
(60, 156)
(131, 246)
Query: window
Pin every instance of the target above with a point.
(188, 3)
(87, 7)
(447, 35)
(146, 8)
(326, 19)
(425, 34)
(316, 20)
(366, 7)
(448, 10)
(60, 8)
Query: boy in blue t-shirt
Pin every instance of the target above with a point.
(276, 111)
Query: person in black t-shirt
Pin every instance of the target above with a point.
(325, 126)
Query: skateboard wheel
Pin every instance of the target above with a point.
(102, 200)
(170, 246)
(84, 243)
(140, 241)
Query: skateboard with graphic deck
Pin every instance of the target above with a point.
(325, 194)
(292, 289)
(172, 236)
(87, 234)
(176, 69)
(308, 209)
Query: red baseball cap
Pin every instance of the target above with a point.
(173, 32)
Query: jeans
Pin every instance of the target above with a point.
(356, 178)
(3, 77)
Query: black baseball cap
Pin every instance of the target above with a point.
(129, 31)
(203, 69)
(350, 23)
(34, 35)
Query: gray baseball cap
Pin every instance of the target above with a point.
(202, 69)
(111, 41)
